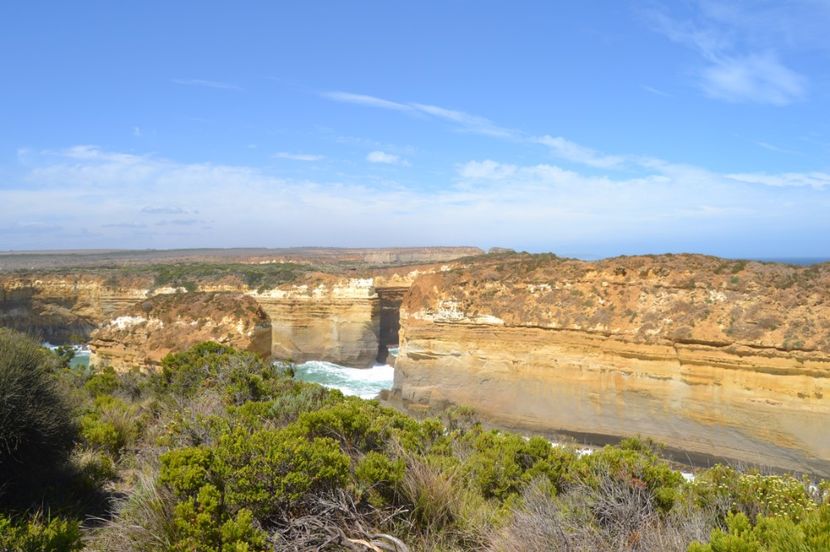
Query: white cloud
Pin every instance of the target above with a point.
(656, 91)
(560, 147)
(89, 197)
(486, 170)
(816, 180)
(463, 121)
(738, 67)
(362, 99)
(758, 78)
(298, 156)
(207, 84)
(470, 123)
(580, 154)
(385, 158)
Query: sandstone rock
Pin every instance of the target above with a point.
(719, 357)
(144, 333)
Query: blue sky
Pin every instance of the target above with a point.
(583, 128)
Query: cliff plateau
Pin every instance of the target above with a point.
(143, 334)
(724, 358)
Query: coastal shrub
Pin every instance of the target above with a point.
(201, 524)
(103, 382)
(770, 533)
(754, 494)
(36, 424)
(65, 354)
(381, 476)
(94, 467)
(503, 463)
(360, 425)
(187, 470)
(239, 375)
(637, 465)
(38, 534)
(269, 470)
(112, 425)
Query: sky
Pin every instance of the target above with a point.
(587, 129)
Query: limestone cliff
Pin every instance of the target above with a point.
(141, 335)
(65, 307)
(720, 357)
(315, 315)
(323, 317)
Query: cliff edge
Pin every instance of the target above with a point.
(143, 334)
(728, 358)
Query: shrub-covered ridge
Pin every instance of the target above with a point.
(221, 450)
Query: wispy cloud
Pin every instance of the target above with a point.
(207, 84)
(385, 158)
(736, 68)
(486, 170)
(163, 210)
(777, 149)
(656, 91)
(816, 180)
(558, 146)
(759, 78)
(298, 156)
(461, 120)
(580, 154)
(362, 99)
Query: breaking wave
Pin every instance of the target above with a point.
(365, 383)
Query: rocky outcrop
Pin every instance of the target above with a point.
(718, 357)
(324, 318)
(141, 335)
(337, 315)
(63, 308)
(316, 316)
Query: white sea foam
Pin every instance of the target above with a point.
(80, 350)
(362, 382)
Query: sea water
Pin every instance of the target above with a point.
(362, 382)
(81, 358)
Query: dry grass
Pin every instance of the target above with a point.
(143, 522)
(612, 517)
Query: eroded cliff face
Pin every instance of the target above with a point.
(324, 318)
(718, 357)
(315, 316)
(63, 308)
(141, 335)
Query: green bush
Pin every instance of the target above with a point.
(363, 426)
(812, 533)
(38, 535)
(239, 375)
(104, 382)
(36, 425)
(635, 464)
(269, 470)
(754, 494)
(504, 463)
(380, 476)
(187, 470)
(112, 425)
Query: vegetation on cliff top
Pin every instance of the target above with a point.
(221, 450)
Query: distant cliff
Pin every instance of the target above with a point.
(348, 317)
(729, 358)
(141, 335)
